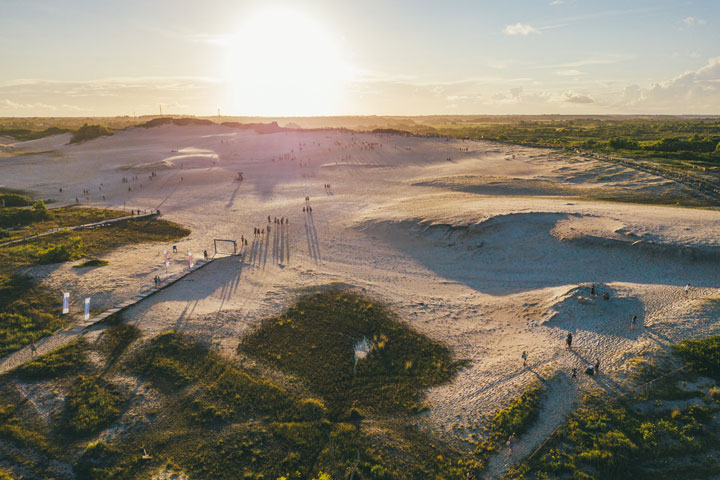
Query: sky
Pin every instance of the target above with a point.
(369, 57)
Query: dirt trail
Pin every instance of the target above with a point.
(558, 401)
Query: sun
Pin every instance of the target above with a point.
(284, 63)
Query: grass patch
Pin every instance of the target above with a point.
(28, 312)
(94, 262)
(91, 405)
(64, 361)
(315, 338)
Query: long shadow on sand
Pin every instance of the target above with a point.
(517, 253)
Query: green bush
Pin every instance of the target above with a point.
(92, 404)
(17, 217)
(95, 262)
(703, 354)
(97, 462)
(89, 132)
(71, 249)
(14, 200)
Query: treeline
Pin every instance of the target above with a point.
(673, 138)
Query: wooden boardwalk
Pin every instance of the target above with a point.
(63, 337)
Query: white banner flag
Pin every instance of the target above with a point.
(87, 308)
(66, 303)
(167, 261)
(190, 259)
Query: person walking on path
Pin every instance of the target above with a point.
(687, 289)
(568, 341)
(524, 357)
(597, 366)
(33, 349)
(574, 374)
(633, 322)
(512, 440)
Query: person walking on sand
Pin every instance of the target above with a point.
(574, 374)
(687, 289)
(524, 357)
(597, 366)
(633, 322)
(568, 341)
(512, 440)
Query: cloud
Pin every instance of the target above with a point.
(521, 29)
(690, 21)
(695, 91)
(557, 2)
(109, 96)
(571, 97)
(570, 73)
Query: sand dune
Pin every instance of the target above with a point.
(490, 271)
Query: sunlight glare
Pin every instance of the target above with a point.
(283, 63)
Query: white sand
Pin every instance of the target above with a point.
(490, 275)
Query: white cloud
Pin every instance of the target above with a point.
(557, 2)
(521, 29)
(690, 21)
(696, 91)
(570, 73)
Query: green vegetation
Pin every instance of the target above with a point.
(315, 339)
(17, 216)
(668, 430)
(58, 363)
(59, 218)
(14, 200)
(516, 418)
(94, 262)
(91, 405)
(89, 132)
(25, 134)
(115, 340)
(703, 355)
(28, 312)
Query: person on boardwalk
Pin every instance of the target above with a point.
(205, 255)
(568, 341)
(33, 349)
(524, 357)
(633, 322)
